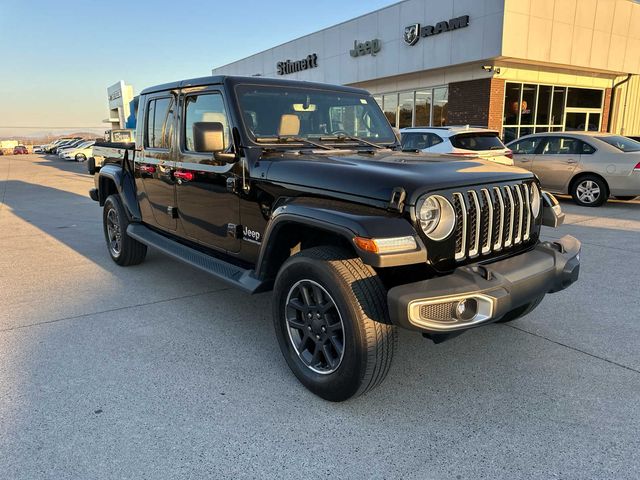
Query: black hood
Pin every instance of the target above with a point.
(375, 176)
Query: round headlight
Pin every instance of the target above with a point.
(436, 216)
(535, 200)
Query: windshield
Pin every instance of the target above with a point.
(623, 144)
(281, 111)
(477, 141)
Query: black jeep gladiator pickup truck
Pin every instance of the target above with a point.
(300, 188)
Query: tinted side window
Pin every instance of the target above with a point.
(415, 141)
(562, 146)
(160, 123)
(586, 149)
(526, 146)
(204, 108)
(477, 141)
(435, 139)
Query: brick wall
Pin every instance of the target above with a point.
(606, 107)
(476, 102)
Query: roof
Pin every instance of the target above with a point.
(453, 129)
(230, 80)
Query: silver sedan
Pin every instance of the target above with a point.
(588, 166)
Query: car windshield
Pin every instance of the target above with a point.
(477, 141)
(272, 112)
(623, 144)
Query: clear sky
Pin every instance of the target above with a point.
(58, 57)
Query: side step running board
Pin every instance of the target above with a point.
(227, 272)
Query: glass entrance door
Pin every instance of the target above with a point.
(582, 120)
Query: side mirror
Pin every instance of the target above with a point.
(208, 137)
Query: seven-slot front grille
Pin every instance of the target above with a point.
(491, 219)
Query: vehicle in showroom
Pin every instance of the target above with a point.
(79, 153)
(20, 150)
(463, 141)
(300, 188)
(588, 166)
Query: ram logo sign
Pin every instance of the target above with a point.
(412, 33)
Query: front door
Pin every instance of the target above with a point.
(209, 210)
(556, 161)
(154, 164)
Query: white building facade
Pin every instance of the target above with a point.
(518, 66)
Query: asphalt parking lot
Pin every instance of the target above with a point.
(158, 371)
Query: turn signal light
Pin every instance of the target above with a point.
(386, 245)
(509, 154)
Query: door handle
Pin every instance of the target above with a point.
(183, 176)
(524, 160)
(571, 161)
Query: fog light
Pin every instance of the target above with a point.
(466, 309)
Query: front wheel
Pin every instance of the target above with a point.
(589, 191)
(332, 323)
(123, 249)
(80, 157)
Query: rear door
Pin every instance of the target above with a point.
(524, 152)
(557, 160)
(209, 209)
(154, 163)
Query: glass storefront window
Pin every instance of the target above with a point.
(594, 122)
(440, 106)
(509, 134)
(405, 110)
(584, 98)
(528, 105)
(390, 107)
(557, 106)
(544, 104)
(512, 103)
(423, 108)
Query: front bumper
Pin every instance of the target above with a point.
(490, 290)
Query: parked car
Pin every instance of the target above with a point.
(462, 141)
(79, 153)
(50, 146)
(20, 150)
(69, 146)
(588, 166)
(37, 149)
(298, 187)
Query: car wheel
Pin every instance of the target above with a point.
(91, 166)
(80, 157)
(589, 191)
(520, 311)
(123, 249)
(332, 324)
(625, 198)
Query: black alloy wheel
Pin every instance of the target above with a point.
(315, 326)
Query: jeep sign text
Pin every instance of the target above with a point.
(370, 47)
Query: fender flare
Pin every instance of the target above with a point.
(124, 185)
(347, 225)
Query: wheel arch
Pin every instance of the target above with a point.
(582, 174)
(112, 180)
(293, 228)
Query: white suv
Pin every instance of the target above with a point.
(462, 141)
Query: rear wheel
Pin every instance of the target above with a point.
(80, 157)
(123, 249)
(589, 191)
(332, 324)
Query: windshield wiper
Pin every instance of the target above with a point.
(289, 138)
(342, 137)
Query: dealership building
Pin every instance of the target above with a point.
(517, 66)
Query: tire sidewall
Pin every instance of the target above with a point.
(113, 203)
(346, 380)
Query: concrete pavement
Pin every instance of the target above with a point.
(158, 371)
